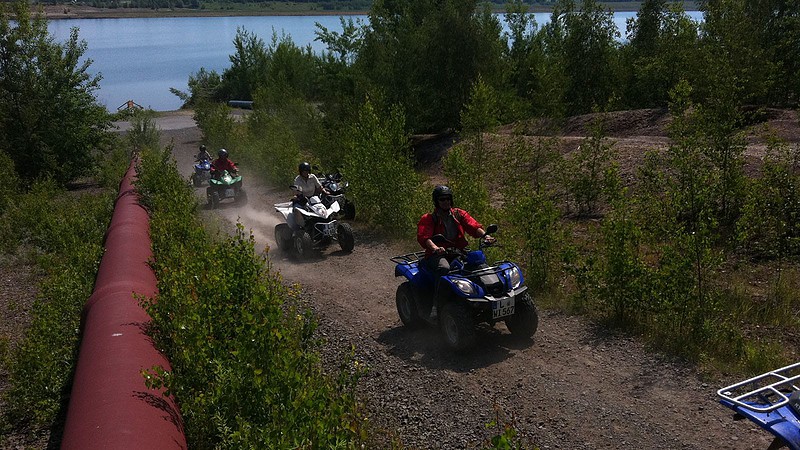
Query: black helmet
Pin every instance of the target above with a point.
(441, 191)
(222, 153)
(304, 167)
(202, 147)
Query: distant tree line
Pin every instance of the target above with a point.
(425, 55)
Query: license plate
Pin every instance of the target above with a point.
(329, 230)
(503, 307)
(230, 193)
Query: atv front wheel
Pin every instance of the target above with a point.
(457, 326)
(344, 234)
(525, 320)
(407, 306)
(302, 244)
(283, 237)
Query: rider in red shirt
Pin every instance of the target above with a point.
(222, 163)
(450, 222)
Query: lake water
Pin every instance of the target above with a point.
(141, 59)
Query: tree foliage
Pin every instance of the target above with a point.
(661, 50)
(50, 122)
(425, 55)
(582, 43)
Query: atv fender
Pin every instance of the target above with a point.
(406, 270)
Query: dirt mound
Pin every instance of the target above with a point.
(638, 122)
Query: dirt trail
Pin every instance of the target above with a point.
(571, 387)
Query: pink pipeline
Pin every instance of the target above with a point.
(110, 407)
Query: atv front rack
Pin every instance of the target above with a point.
(766, 392)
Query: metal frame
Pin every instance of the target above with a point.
(766, 392)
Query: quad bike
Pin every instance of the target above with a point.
(202, 172)
(337, 187)
(472, 292)
(318, 227)
(225, 186)
(772, 401)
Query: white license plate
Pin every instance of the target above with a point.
(503, 307)
(230, 193)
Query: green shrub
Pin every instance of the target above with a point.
(143, 133)
(270, 148)
(529, 211)
(770, 223)
(466, 180)
(9, 182)
(625, 278)
(588, 173)
(219, 128)
(378, 164)
(245, 364)
(66, 232)
(112, 167)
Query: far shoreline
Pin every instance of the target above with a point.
(57, 12)
(66, 12)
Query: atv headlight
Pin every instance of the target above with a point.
(465, 286)
(515, 277)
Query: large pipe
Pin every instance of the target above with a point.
(110, 406)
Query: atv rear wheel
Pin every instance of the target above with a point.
(302, 244)
(525, 320)
(196, 181)
(214, 200)
(407, 306)
(344, 234)
(457, 325)
(283, 237)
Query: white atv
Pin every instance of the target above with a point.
(310, 225)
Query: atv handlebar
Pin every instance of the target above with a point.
(441, 241)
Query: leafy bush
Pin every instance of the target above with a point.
(66, 232)
(378, 164)
(9, 182)
(466, 180)
(529, 207)
(590, 171)
(219, 128)
(770, 222)
(245, 367)
(50, 121)
(143, 133)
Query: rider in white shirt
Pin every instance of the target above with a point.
(309, 185)
(307, 181)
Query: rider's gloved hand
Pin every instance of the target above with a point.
(438, 250)
(489, 239)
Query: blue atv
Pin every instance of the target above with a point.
(771, 400)
(472, 292)
(202, 172)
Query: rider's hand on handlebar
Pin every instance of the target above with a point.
(489, 239)
(438, 250)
